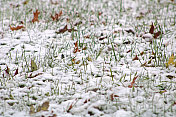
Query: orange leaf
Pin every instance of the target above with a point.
(16, 28)
(36, 14)
(151, 29)
(132, 83)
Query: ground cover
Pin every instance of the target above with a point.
(88, 58)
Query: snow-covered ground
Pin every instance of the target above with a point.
(71, 58)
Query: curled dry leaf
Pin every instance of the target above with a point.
(16, 28)
(36, 14)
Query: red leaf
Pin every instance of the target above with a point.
(16, 28)
(36, 14)
(156, 34)
(132, 83)
(151, 29)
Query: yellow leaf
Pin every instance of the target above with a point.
(32, 110)
(44, 107)
(33, 66)
(89, 58)
(171, 60)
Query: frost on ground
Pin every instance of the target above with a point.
(88, 58)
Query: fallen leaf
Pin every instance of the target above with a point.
(128, 51)
(157, 34)
(44, 107)
(33, 66)
(62, 30)
(57, 16)
(112, 97)
(55, 3)
(72, 29)
(151, 29)
(25, 2)
(78, 23)
(7, 70)
(76, 48)
(32, 110)
(132, 83)
(16, 28)
(36, 14)
(33, 76)
(171, 61)
(101, 38)
(70, 107)
(135, 58)
(16, 72)
(130, 31)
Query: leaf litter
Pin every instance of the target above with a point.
(85, 62)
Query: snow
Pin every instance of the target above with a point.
(94, 81)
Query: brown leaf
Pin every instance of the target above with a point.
(135, 58)
(157, 34)
(132, 83)
(72, 29)
(151, 29)
(142, 53)
(85, 48)
(128, 51)
(86, 101)
(7, 70)
(57, 16)
(112, 97)
(55, 3)
(16, 72)
(70, 107)
(87, 36)
(36, 14)
(78, 23)
(76, 48)
(16, 28)
(62, 30)
(101, 38)
(33, 76)
(130, 31)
